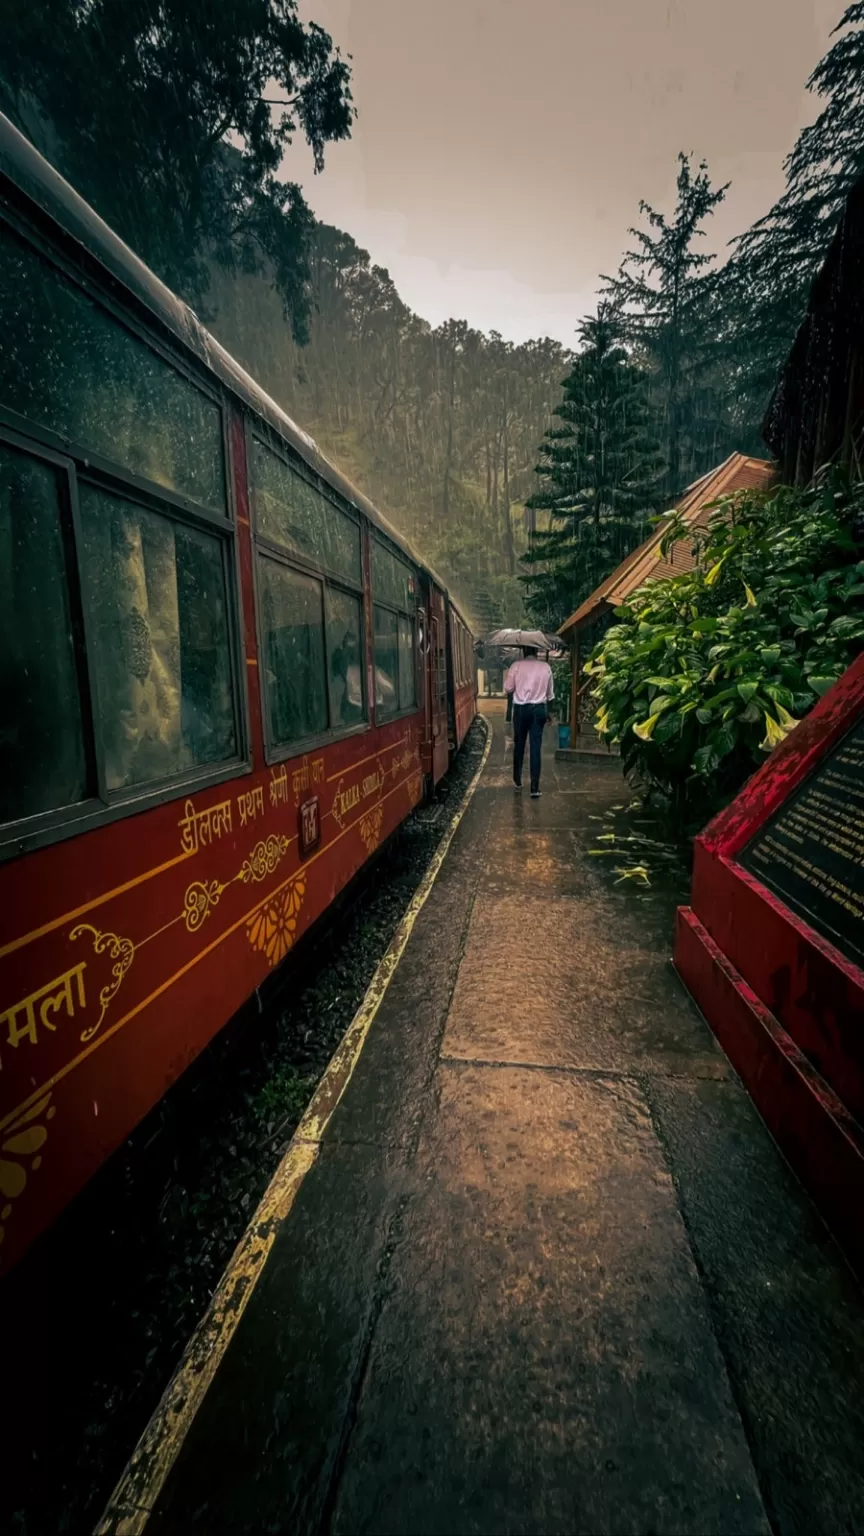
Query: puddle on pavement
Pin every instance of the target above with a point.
(633, 849)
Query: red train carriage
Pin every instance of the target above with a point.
(463, 677)
(225, 681)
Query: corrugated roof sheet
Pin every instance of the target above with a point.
(737, 473)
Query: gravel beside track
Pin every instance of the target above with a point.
(98, 1313)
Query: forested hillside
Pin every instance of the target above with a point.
(438, 426)
(680, 364)
(175, 119)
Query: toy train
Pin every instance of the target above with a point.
(226, 680)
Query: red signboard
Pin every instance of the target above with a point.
(770, 948)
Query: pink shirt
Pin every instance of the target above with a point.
(530, 681)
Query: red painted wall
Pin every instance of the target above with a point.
(815, 992)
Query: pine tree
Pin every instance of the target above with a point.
(173, 118)
(764, 287)
(599, 473)
(663, 294)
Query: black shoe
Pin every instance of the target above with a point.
(517, 783)
(535, 792)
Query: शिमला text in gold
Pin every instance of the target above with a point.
(41, 1008)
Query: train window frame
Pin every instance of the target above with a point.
(385, 716)
(187, 781)
(127, 311)
(267, 548)
(104, 806)
(47, 821)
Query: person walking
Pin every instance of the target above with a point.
(530, 684)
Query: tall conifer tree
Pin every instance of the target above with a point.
(765, 286)
(598, 470)
(663, 294)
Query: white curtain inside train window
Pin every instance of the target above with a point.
(156, 591)
(43, 758)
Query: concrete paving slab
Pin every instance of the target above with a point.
(265, 1445)
(545, 1362)
(567, 995)
(786, 1309)
(549, 1272)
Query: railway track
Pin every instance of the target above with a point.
(105, 1302)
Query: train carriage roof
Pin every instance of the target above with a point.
(32, 175)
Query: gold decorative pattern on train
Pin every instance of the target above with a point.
(273, 928)
(21, 1154)
(122, 952)
(203, 895)
(370, 827)
(200, 899)
(263, 859)
(76, 975)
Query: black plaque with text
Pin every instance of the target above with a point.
(811, 851)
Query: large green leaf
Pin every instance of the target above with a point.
(705, 760)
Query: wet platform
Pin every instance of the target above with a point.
(549, 1273)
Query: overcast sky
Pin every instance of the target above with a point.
(502, 146)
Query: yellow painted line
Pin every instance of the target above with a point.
(342, 773)
(96, 901)
(138, 1490)
(202, 954)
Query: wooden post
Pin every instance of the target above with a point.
(574, 687)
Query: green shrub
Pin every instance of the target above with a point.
(706, 671)
(561, 677)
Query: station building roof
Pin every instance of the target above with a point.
(737, 473)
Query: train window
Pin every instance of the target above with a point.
(392, 580)
(43, 761)
(157, 594)
(386, 661)
(407, 674)
(395, 671)
(68, 365)
(291, 512)
(293, 659)
(345, 652)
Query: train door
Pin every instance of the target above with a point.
(436, 747)
(452, 682)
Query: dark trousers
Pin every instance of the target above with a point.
(528, 721)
